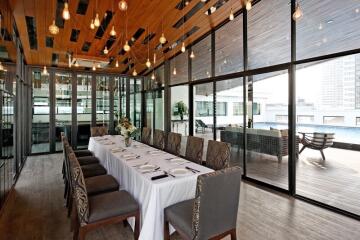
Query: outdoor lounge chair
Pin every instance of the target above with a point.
(200, 126)
(317, 141)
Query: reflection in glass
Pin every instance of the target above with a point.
(83, 109)
(201, 64)
(63, 95)
(181, 63)
(41, 110)
(102, 100)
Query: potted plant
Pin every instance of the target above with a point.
(128, 130)
(180, 109)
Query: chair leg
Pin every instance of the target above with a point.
(73, 219)
(166, 230)
(70, 206)
(82, 234)
(233, 234)
(322, 154)
(137, 226)
(66, 188)
(302, 149)
(76, 226)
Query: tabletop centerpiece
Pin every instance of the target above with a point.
(128, 130)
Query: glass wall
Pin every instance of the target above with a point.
(63, 95)
(201, 64)
(180, 63)
(83, 109)
(102, 100)
(41, 113)
(204, 113)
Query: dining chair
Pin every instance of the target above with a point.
(218, 155)
(173, 143)
(159, 139)
(194, 149)
(213, 212)
(104, 209)
(99, 131)
(146, 135)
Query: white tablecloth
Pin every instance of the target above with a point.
(152, 195)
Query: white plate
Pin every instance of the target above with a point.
(178, 160)
(147, 167)
(180, 172)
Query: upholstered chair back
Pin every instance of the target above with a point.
(216, 203)
(99, 131)
(159, 139)
(146, 135)
(173, 143)
(218, 155)
(194, 149)
(80, 192)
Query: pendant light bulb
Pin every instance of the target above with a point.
(162, 39)
(154, 58)
(92, 25)
(117, 63)
(1, 67)
(192, 55)
(174, 71)
(134, 73)
(113, 32)
(106, 51)
(66, 13)
(97, 20)
(94, 67)
(153, 76)
(248, 5)
(298, 13)
(45, 72)
(53, 29)
(231, 17)
(183, 48)
(148, 63)
(127, 46)
(76, 63)
(123, 5)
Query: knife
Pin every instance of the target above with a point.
(193, 170)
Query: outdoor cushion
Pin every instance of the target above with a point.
(87, 160)
(83, 153)
(92, 170)
(101, 184)
(111, 204)
(180, 216)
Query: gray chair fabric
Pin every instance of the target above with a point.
(146, 135)
(218, 155)
(111, 204)
(159, 139)
(173, 143)
(92, 170)
(101, 184)
(83, 153)
(180, 215)
(214, 209)
(87, 160)
(194, 149)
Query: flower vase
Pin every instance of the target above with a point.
(128, 141)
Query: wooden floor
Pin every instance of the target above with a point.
(35, 211)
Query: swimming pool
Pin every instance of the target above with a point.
(342, 134)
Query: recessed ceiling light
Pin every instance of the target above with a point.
(330, 21)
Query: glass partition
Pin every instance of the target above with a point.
(102, 100)
(41, 113)
(83, 109)
(63, 95)
(180, 63)
(201, 63)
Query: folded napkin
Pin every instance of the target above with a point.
(116, 150)
(108, 143)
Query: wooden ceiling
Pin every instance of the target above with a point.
(154, 16)
(7, 46)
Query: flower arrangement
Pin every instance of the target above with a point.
(127, 129)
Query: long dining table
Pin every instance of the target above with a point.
(137, 167)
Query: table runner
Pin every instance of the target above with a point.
(152, 195)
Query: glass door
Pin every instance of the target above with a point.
(40, 134)
(63, 110)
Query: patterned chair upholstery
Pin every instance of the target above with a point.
(99, 131)
(146, 135)
(218, 155)
(203, 217)
(103, 209)
(173, 143)
(159, 139)
(194, 149)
